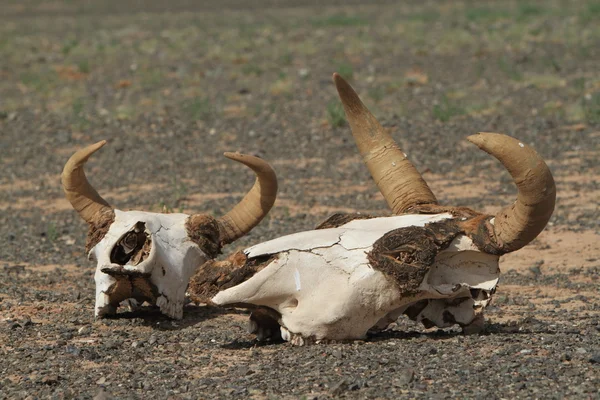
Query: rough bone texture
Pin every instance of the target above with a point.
(204, 231)
(99, 228)
(149, 257)
(220, 275)
(405, 255)
(339, 219)
(338, 283)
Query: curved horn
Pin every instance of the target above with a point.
(255, 205)
(520, 223)
(397, 178)
(82, 196)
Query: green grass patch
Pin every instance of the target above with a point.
(509, 69)
(424, 16)
(36, 81)
(69, 45)
(84, 66)
(529, 10)
(51, 231)
(478, 14)
(198, 109)
(591, 108)
(591, 12)
(335, 114)
(252, 69)
(376, 93)
(339, 20)
(446, 110)
(345, 70)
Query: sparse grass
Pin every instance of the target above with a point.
(198, 109)
(591, 108)
(51, 231)
(252, 69)
(339, 20)
(286, 58)
(69, 45)
(529, 10)
(424, 16)
(335, 114)
(591, 12)
(33, 81)
(84, 66)
(477, 14)
(376, 93)
(345, 70)
(509, 69)
(445, 110)
(545, 81)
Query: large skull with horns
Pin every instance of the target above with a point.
(146, 256)
(436, 264)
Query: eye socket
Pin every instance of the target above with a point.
(134, 244)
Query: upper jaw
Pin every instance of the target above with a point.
(116, 270)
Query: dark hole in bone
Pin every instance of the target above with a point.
(448, 317)
(479, 294)
(133, 247)
(415, 309)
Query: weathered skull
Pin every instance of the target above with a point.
(145, 256)
(436, 264)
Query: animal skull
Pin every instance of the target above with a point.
(145, 256)
(436, 264)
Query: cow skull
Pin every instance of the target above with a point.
(145, 256)
(436, 264)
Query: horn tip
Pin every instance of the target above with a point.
(340, 83)
(236, 156)
(480, 137)
(99, 144)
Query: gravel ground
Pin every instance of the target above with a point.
(172, 88)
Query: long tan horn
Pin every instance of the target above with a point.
(82, 196)
(520, 223)
(255, 205)
(397, 178)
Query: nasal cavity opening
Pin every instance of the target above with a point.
(133, 247)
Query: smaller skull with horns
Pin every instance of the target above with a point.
(147, 256)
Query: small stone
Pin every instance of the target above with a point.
(73, 350)
(50, 379)
(84, 330)
(565, 357)
(339, 387)
(580, 350)
(303, 72)
(337, 353)
(152, 339)
(102, 395)
(135, 344)
(404, 377)
(595, 358)
(111, 344)
(101, 381)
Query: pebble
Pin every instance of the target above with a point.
(404, 377)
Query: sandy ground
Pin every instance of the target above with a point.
(171, 90)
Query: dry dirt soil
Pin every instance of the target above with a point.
(171, 85)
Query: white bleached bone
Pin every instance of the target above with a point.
(324, 287)
(144, 256)
(436, 264)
